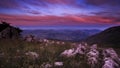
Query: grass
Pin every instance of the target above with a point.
(14, 54)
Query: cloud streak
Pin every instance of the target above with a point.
(103, 2)
(60, 12)
(58, 20)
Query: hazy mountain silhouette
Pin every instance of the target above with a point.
(108, 36)
(64, 35)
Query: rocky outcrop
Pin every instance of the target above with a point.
(95, 56)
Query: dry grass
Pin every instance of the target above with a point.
(14, 54)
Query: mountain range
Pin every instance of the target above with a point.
(64, 35)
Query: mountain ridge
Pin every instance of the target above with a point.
(63, 35)
(108, 36)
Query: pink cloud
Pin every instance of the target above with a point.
(56, 20)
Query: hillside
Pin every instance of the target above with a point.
(108, 36)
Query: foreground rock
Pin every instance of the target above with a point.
(96, 57)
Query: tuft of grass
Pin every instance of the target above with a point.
(14, 53)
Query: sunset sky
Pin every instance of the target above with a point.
(61, 13)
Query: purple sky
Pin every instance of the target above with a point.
(67, 13)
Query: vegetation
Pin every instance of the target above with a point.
(12, 54)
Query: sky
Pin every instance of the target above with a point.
(61, 13)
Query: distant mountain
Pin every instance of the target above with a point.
(65, 35)
(108, 36)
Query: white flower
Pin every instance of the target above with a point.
(33, 55)
(58, 63)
